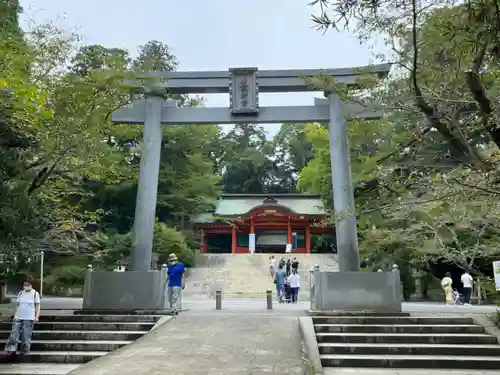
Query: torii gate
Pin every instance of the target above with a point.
(244, 86)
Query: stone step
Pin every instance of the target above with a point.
(54, 357)
(100, 318)
(409, 338)
(86, 326)
(400, 328)
(355, 314)
(81, 335)
(411, 361)
(37, 368)
(77, 345)
(387, 320)
(124, 312)
(409, 349)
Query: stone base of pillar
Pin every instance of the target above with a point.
(165, 312)
(124, 291)
(377, 292)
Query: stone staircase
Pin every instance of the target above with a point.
(404, 341)
(61, 343)
(247, 275)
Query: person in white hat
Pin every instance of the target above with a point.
(176, 282)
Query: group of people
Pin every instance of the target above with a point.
(28, 307)
(286, 277)
(452, 295)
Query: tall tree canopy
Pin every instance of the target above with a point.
(428, 189)
(68, 175)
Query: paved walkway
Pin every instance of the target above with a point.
(245, 305)
(209, 345)
(254, 305)
(384, 371)
(243, 338)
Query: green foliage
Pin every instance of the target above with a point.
(169, 240)
(69, 275)
(427, 175)
(6, 301)
(245, 164)
(68, 176)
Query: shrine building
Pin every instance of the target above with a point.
(264, 223)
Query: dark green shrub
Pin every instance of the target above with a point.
(64, 276)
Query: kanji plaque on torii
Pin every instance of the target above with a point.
(243, 91)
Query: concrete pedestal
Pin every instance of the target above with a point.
(378, 292)
(124, 291)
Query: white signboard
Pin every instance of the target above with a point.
(288, 248)
(271, 239)
(251, 242)
(496, 274)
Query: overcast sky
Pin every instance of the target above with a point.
(212, 35)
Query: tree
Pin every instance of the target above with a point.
(428, 196)
(93, 57)
(246, 165)
(155, 56)
(68, 176)
(22, 108)
(448, 83)
(293, 152)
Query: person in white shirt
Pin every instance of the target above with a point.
(27, 314)
(467, 281)
(294, 280)
(272, 266)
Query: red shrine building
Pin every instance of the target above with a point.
(264, 223)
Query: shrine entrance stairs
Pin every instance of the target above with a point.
(61, 343)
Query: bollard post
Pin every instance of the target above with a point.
(86, 286)
(315, 288)
(218, 300)
(166, 302)
(395, 268)
(269, 299)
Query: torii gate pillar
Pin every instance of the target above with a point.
(145, 208)
(343, 192)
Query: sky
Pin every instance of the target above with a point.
(212, 35)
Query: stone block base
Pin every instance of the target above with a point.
(124, 291)
(377, 292)
(123, 312)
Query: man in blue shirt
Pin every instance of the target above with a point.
(279, 280)
(176, 283)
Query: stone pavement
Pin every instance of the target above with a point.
(216, 349)
(386, 371)
(255, 305)
(252, 305)
(209, 344)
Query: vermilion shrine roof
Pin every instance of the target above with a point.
(244, 204)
